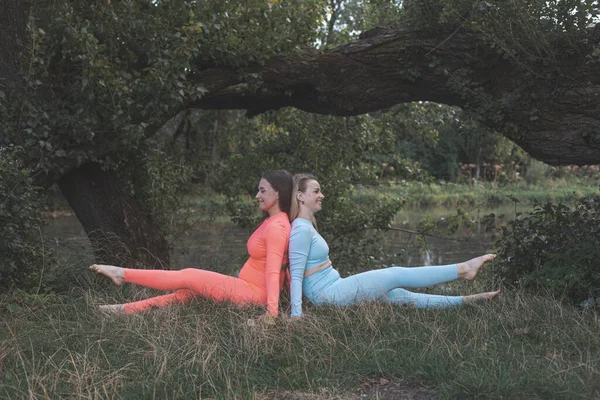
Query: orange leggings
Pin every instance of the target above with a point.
(189, 283)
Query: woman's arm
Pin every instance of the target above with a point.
(277, 240)
(300, 242)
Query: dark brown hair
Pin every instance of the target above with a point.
(282, 183)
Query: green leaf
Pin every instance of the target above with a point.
(9, 376)
(15, 309)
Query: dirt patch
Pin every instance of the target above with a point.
(382, 389)
(370, 389)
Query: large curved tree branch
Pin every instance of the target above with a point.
(552, 111)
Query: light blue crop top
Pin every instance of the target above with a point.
(307, 250)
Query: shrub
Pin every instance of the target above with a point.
(158, 179)
(536, 171)
(554, 246)
(23, 255)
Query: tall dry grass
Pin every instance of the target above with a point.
(518, 346)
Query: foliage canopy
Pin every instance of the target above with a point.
(97, 79)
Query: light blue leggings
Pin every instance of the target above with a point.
(326, 287)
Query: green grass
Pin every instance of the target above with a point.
(519, 346)
(450, 194)
(210, 205)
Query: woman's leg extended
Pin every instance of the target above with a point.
(180, 296)
(420, 300)
(208, 284)
(374, 285)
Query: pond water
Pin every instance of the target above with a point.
(469, 241)
(222, 246)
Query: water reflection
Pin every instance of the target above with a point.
(219, 247)
(222, 246)
(468, 242)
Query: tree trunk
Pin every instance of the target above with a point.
(551, 109)
(13, 22)
(119, 232)
(549, 106)
(478, 165)
(215, 157)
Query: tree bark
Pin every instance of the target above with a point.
(552, 111)
(550, 107)
(118, 230)
(13, 22)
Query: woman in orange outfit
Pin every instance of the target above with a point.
(260, 279)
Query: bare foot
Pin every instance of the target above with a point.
(468, 270)
(112, 309)
(480, 297)
(116, 274)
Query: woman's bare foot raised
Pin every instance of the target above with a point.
(480, 296)
(116, 274)
(468, 270)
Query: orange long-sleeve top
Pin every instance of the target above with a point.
(268, 248)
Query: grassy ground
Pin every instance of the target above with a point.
(517, 346)
(450, 194)
(206, 202)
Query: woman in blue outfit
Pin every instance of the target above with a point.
(312, 273)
